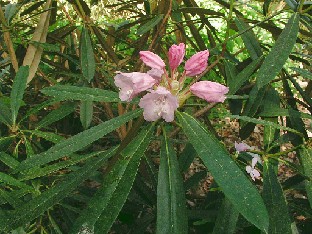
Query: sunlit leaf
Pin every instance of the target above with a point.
(35, 207)
(105, 205)
(275, 201)
(150, 24)
(68, 92)
(171, 203)
(226, 173)
(87, 61)
(77, 142)
(18, 89)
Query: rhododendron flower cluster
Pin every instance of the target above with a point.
(166, 91)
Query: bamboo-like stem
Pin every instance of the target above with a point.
(123, 128)
(8, 41)
(161, 27)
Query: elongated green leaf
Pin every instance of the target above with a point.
(304, 73)
(266, 123)
(87, 61)
(18, 89)
(279, 53)
(5, 114)
(271, 134)
(249, 38)
(171, 203)
(9, 160)
(282, 112)
(86, 113)
(15, 194)
(57, 114)
(227, 219)
(7, 179)
(186, 157)
(254, 102)
(234, 183)
(306, 160)
(194, 180)
(39, 107)
(243, 76)
(10, 198)
(105, 205)
(67, 92)
(77, 142)
(45, 200)
(275, 201)
(150, 24)
(10, 10)
(230, 72)
(74, 159)
(49, 136)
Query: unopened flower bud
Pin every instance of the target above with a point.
(197, 63)
(152, 60)
(210, 91)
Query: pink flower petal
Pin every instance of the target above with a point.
(197, 63)
(152, 60)
(210, 91)
(248, 169)
(156, 74)
(176, 54)
(240, 147)
(131, 84)
(254, 162)
(158, 104)
(256, 173)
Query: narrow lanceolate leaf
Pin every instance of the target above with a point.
(104, 206)
(275, 201)
(77, 142)
(249, 38)
(306, 160)
(87, 61)
(227, 218)
(68, 92)
(265, 123)
(57, 114)
(42, 171)
(18, 89)
(150, 24)
(279, 53)
(9, 160)
(9, 180)
(236, 186)
(171, 203)
(243, 76)
(5, 114)
(35, 207)
(86, 113)
(304, 73)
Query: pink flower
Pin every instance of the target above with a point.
(176, 55)
(156, 74)
(240, 147)
(131, 84)
(254, 173)
(210, 91)
(159, 103)
(152, 60)
(197, 63)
